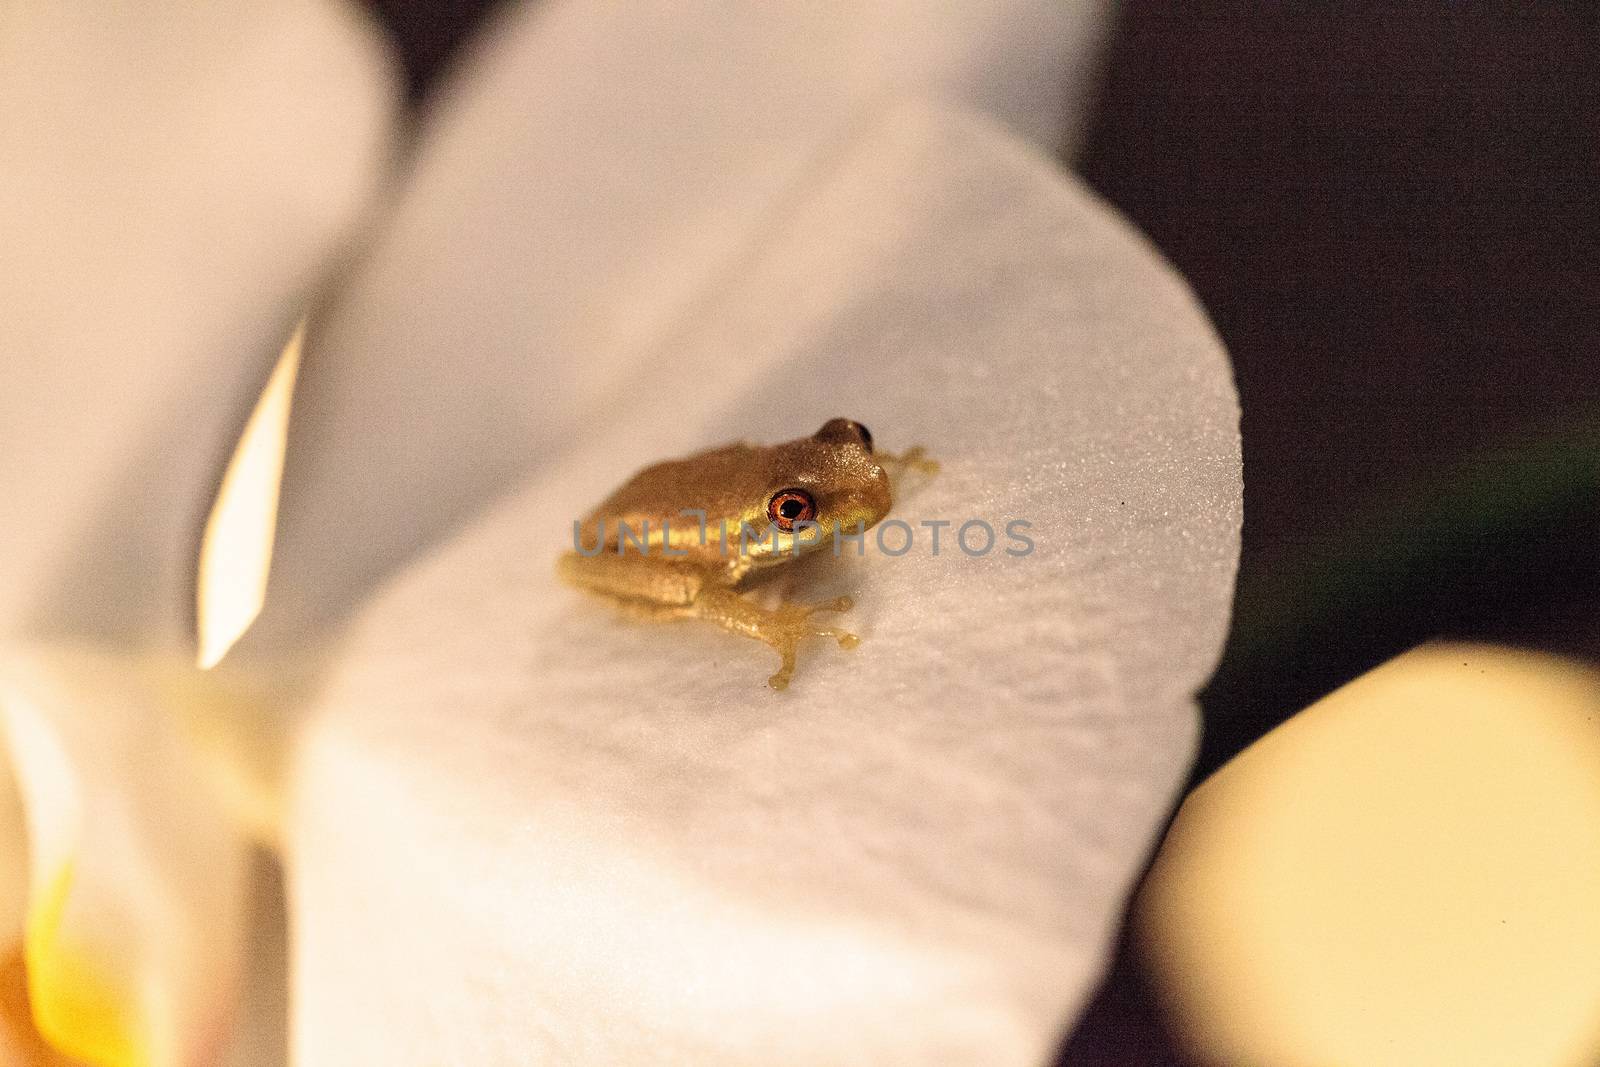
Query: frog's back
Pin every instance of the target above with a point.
(720, 482)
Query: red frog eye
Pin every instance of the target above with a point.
(789, 506)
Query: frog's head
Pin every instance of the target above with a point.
(817, 486)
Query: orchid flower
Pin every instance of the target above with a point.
(514, 828)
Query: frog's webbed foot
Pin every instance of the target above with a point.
(783, 627)
(791, 623)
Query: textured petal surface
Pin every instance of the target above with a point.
(176, 175)
(552, 834)
(134, 874)
(573, 198)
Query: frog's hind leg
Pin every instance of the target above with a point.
(783, 627)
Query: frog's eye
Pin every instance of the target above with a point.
(789, 506)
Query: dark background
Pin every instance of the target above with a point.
(1389, 212)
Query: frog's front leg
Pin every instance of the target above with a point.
(912, 459)
(783, 627)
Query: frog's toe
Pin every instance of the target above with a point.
(838, 603)
(780, 680)
(844, 637)
(794, 622)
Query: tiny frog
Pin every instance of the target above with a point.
(681, 538)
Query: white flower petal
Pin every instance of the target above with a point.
(526, 830)
(175, 177)
(600, 167)
(134, 872)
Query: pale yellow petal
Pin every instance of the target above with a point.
(135, 892)
(1403, 875)
(20, 1043)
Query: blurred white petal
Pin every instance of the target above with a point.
(134, 872)
(176, 177)
(236, 549)
(555, 835)
(598, 168)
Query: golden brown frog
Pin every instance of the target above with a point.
(679, 539)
